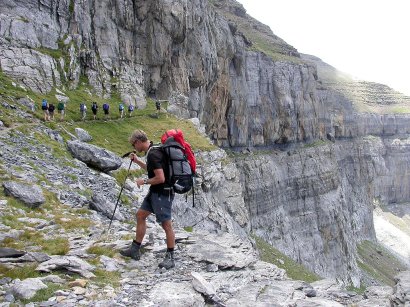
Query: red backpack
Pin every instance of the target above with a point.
(179, 137)
(181, 161)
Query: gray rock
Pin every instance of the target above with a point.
(62, 98)
(201, 285)
(224, 250)
(5, 280)
(94, 156)
(110, 264)
(174, 294)
(53, 278)
(10, 253)
(55, 135)
(9, 298)
(100, 204)
(83, 135)
(378, 292)
(70, 263)
(31, 195)
(13, 233)
(205, 288)
(401, 291)
(27, 102)
(27, 288)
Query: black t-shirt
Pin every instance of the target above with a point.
(156, 160)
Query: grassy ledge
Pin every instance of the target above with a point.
(378, 262)
(293, 269)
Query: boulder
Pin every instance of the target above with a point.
(10, 253)
(83, 135)
(30, 195)
(94, 156)
(27, 288)
(70, 263)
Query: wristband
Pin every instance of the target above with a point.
(145, 181)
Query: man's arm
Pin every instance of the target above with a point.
(141, 164)
(158, 178)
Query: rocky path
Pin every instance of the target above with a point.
(80, 265)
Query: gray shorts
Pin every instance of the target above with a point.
(159, 204)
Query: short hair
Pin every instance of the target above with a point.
(138, 135)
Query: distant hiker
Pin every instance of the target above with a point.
(44, 107)
(83, 110)
(158, 106)
(106, 108)
(130, 109)
(158, 200)
(51, 108)
(121, 109)
(94, 108)
(60, 108)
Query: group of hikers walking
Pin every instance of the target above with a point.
(48, 110)
(106, 110)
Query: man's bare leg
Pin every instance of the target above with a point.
(141, 227)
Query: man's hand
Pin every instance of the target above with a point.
(139, 182)
(133, 157)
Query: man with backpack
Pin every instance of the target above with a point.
(60, 108)
(158, 200)
(44, 107)
(121, 109)
(51, 109)
(158, 107)
(94, 109)
(83, 110)
(106, 109)
(130, 109)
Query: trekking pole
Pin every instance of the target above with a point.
(122, 188)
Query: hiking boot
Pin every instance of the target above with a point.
(168, 261)
(133, 251)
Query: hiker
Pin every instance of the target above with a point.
(94, 109)
(60, 109)
(158, 200)
(130, 109)
(106, 108)
(51, 109)
(158, 106)
(83, 110)
(121, 109)
(44, 107)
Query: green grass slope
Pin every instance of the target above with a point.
(378, 263)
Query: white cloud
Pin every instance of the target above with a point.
(368, 39)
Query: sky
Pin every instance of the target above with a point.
(368, 39)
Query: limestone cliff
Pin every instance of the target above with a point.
(251, 90)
